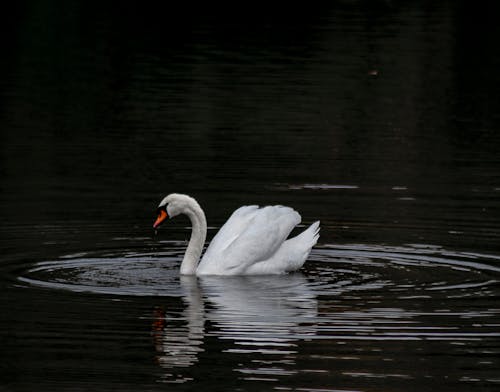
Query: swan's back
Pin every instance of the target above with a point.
(251, 235)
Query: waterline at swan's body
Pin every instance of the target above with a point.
(253, 241)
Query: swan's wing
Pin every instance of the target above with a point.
(233, 227)
(249, 236)
(290, 256)
(262, 237)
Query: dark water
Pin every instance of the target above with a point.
(378, 118)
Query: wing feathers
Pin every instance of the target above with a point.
(249, 236)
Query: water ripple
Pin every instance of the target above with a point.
(410, 272)
(346, 293)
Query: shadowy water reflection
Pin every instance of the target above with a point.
(178, 339)
(259, 314)
(349, 313)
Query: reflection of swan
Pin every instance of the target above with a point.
(178, 340)
(261, 312)
(265, 314)
(253, 240)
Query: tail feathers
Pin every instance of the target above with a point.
(315, 228)
(310, 236)
(302, 245)
(291, 255)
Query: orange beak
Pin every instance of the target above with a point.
(161, 217)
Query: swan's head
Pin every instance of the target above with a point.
(173, 205)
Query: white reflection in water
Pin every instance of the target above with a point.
(259, 314)
(179, 341)
(362, 295)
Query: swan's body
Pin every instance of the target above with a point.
(253, 241)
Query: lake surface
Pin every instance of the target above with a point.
(381, 120)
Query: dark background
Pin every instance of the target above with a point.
(380, 118)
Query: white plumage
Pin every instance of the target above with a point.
(253, 241)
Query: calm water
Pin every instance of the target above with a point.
(381, 120)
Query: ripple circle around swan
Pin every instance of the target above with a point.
(412, 271)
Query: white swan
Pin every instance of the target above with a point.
(253, 241)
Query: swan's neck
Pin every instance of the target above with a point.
(197, 240)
